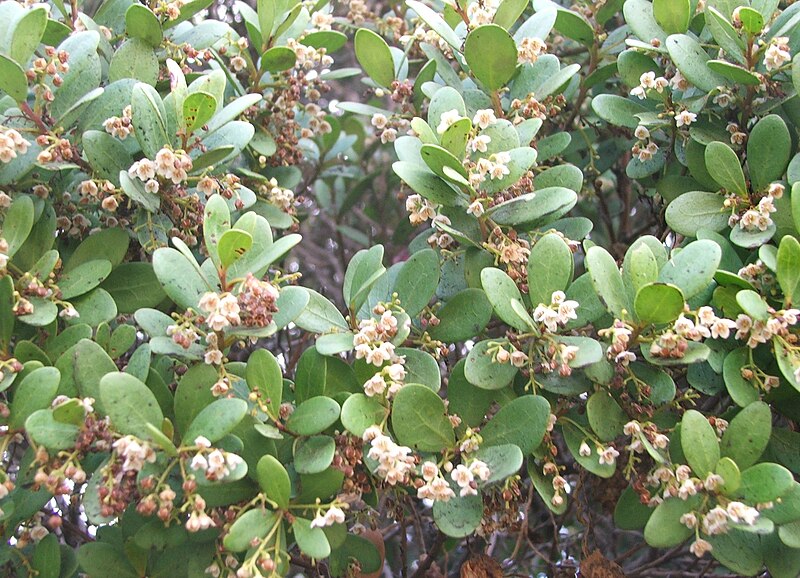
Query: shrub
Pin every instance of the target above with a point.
(583, 333)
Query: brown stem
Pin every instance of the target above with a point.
(31, 115)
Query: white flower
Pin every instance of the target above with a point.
(483, 118)
(447, 119)
(607, 455)
(585, 450)
(476, 208)
(641, 133)
(685, 118)
(480, 143)
(700, 547)
(777, 53)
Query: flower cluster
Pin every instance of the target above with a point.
(215, 464)
(480, 13)
(644, 149)
(334, 515)
(759, 331)
(170, 165)
(419, 210)
(606, 454)
(777, 53)
(465, 476)
(11, 143)
(373, 340)
(221, 310)
(309, 57)
(530, 49)
(395, 463)
(279, 196)
(388, 381)
(649, 81)
(198, 519)
(120, 126)
(673, 343)
(134, 452)
(757, 218)
(257, 302)
(559, 312)
(434, 486)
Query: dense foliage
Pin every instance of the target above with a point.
(512, 292)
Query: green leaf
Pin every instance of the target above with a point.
(550, 268)
(374, 56)
(26, 33)
(752, 304)
(724, 167)
(742, 392)
(673, 15)
(18, 223)
(605, 416)
(697, 210)
(752, 20)
(699, 443)
(419, 419)
(103, 560)
(278, 59)
(574, 438)
(733, 72)
(508, 12)
(232, 246)
(692, 268)
(417, 280)
(254, 524)
(12, 79)
(484, 373)
(747, 435)
(364, 269)
(503, 461)
(134, 59)
(216, 420)
(84, 278)
(313, 455)
(130, 404)
(320, 315)
(768, 151)
(502, 293)
(311, 541)
(274, 480)
(664, 529)
(436, 23)
(313, 416)
(359, 412)
(618, 110)
(522, 422)
(607, 281)
(198, 108)
(464, 316)
(149, 124)
(639, 16)
(134, 286)
(788, 270)
(569, 23)
(179, 277)
(658, 303)
(36, 391)
(691, 59)
(492, 55)
(765, 482)
(142, 23)
(458, 517)
(424, 182)
(263, 374)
